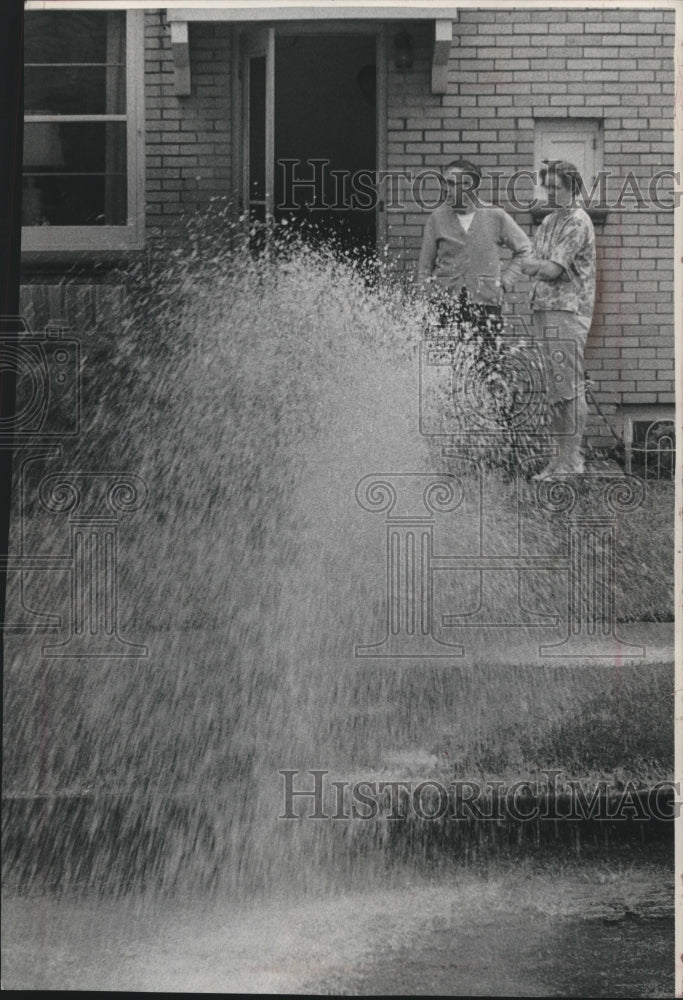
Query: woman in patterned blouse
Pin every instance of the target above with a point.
(562, 300)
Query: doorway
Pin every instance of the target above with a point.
(310, 131)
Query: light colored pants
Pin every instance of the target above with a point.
(562, 338)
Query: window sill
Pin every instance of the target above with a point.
(598, 215)
(80, 239)
(82, 248)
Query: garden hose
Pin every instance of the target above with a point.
(589, 394)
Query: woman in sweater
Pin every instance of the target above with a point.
(462, 242)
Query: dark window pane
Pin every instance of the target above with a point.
(75, 90)
(74, 147)
(74, 201)
(70, 36)
(75, 174)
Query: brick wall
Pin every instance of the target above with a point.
(508, 68)
(188, 139)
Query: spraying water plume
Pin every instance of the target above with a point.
(252, 392)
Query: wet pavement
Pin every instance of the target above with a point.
(600, 928)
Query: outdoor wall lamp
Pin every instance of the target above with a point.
(403, 51)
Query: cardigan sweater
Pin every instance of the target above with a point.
(453, 258)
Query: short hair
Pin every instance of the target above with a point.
(467, 168)
(569, 174)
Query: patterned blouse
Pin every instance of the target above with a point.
(566, 237)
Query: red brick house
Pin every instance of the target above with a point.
(138, 114)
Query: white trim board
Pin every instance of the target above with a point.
(384, 9)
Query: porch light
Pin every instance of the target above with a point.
(403, 51)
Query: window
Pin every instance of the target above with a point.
(578, 140)
(650, 441)
(82, 181)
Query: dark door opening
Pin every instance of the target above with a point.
(324, 110)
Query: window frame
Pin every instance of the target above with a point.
(636, 413)
(60, 239)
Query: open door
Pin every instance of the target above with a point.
(310, 151)
(326, 135)
(258, 117)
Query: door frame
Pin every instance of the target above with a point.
(259, 41)
(240, 105)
